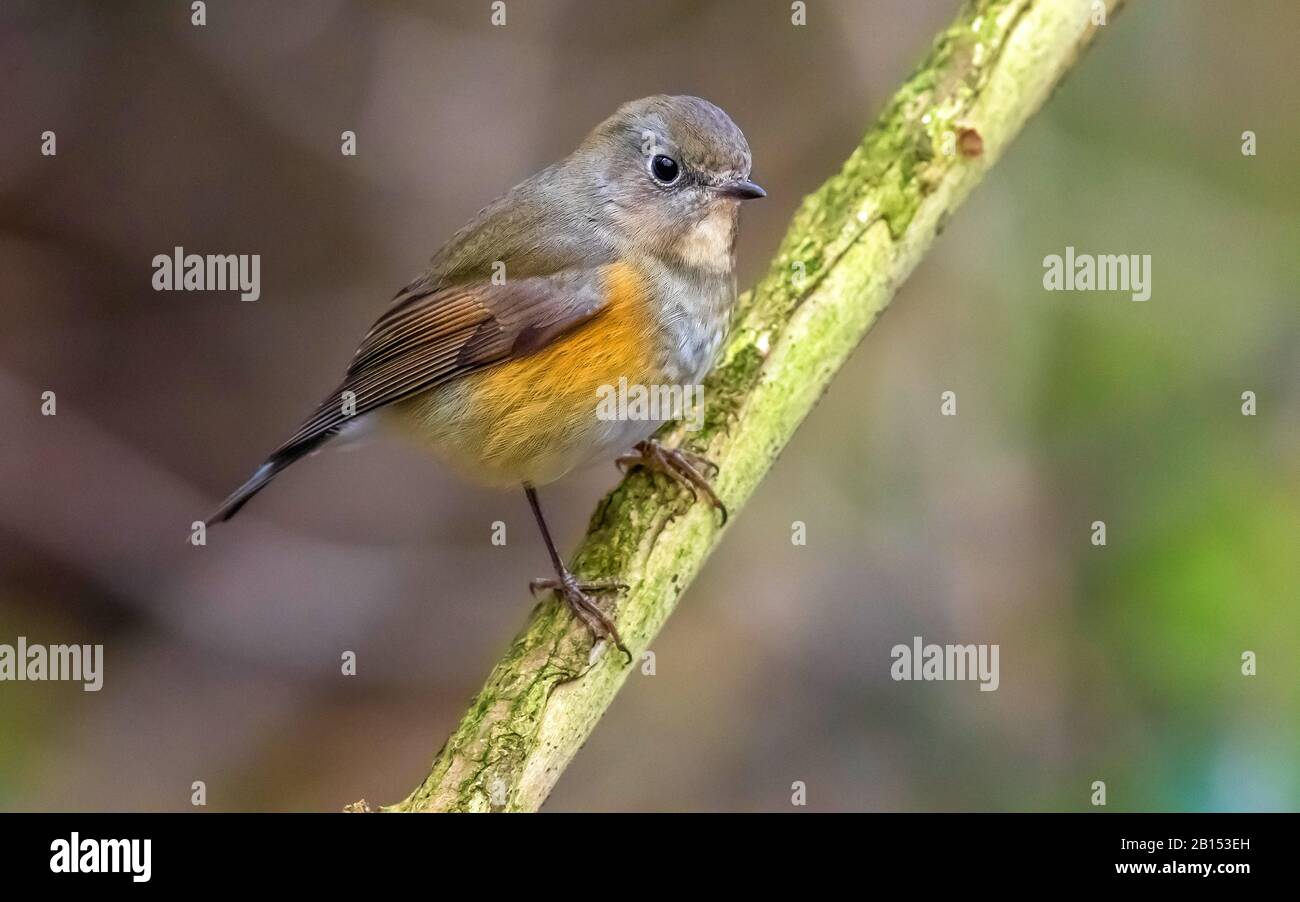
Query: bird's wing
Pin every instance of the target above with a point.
(433, 335)
(457, 318)
(427, 338)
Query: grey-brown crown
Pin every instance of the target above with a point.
(699, 134)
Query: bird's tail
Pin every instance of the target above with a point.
(260, 478)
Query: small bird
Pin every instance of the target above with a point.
(616, 263)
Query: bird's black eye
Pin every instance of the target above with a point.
(664, 169)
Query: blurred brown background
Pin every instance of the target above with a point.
(222, 663)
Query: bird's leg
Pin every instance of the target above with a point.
(575, 594)
(684, 467)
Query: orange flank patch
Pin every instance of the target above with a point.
(533, 419)
(560, 381)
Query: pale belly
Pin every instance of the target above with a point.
(538, 439)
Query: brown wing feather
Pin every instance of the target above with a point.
(428, 340)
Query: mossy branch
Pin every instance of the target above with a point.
(849, 247)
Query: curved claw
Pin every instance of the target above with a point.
(699, 461)
(576, 596)
(681, 465)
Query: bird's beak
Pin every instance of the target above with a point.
(743, 189)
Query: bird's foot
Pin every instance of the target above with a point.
(686, 468)
(578, 596)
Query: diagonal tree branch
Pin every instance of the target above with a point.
(849, 247)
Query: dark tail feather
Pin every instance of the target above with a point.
(260, 478)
